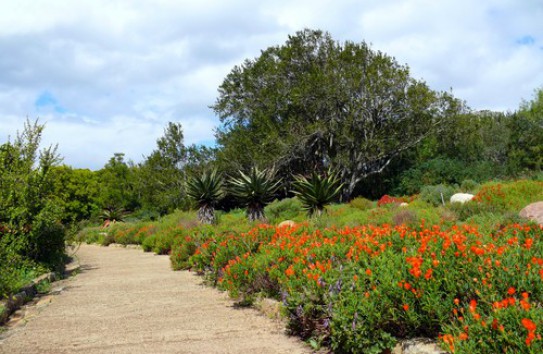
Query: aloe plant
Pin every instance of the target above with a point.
(255, 189)
(113, 213)
(317, 191)
(206, 190)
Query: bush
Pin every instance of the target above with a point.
(362, 203)
(469, 186)
(437, 195)
(285, 209)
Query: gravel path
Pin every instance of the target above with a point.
(127, 301)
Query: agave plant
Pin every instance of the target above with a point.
(113, 213)
(255, 189)
(317, 191)
(206, 190)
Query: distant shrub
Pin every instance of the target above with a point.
(285, 209)
(181, 253)
(405, 217)
(436, 195)
(511, 196)
(361, 203)
(469, 186)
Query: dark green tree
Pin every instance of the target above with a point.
(117, 185)
(29, 214)
(526, 143)
(314, 103)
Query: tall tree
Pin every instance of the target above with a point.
(526, 143)
(313, 104)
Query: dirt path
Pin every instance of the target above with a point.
(127, 301)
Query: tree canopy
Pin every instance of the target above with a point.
(314, 103)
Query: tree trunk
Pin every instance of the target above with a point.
(206, 214)
(256, 212)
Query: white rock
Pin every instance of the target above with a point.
(287, 223)
(461, 198)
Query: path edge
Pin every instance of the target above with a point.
(29, 291)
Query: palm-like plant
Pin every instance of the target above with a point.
(317, 191)
(113, 213)
(206, 190)
(255, 189)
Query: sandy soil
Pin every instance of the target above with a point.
(127, 301)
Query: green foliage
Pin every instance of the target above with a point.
(437, 195)
(77, 191)
(284, 209)
(255, 190)
(317, 191)
(285, 108)
(206, 190)
(526, 144)
(31, 233)
(117, 184)
(113, 213)
(362, 203)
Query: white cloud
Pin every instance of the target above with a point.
(119, 70)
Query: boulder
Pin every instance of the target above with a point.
(533, 212)
(461, 198)
(287, 223)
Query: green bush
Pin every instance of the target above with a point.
(285, 209)
(362, 203)
(469, 186)
(437, 195)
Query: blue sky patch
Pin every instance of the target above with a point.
(47, 101)
(526, 40)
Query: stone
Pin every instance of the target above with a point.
(533, 212)
(418, 346)
(287, 223)
(404, 204)
(461, 198)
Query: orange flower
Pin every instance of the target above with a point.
(368, 272)
(289, 272)
(495, 324)
(463, 336)
(473, 305)
(511, 291)
(525, 305)
(456, 301)
(528, 324)
(405, 307)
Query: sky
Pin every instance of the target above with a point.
(106, 76)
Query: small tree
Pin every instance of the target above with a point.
(317, 191)
(255, 189)
(206, 190)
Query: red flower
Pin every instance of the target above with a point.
(511, 291)
(528, 324)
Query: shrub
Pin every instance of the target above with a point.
(437, 195)
(469, 186)
(285, 209)
(361, 203)
(405, 217)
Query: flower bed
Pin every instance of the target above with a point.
(359, 289)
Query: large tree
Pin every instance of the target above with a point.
(314, 103)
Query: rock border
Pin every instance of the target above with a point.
(29, 291)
